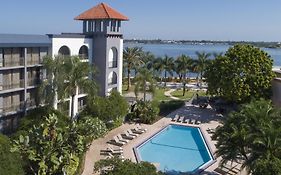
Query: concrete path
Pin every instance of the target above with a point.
(168, 94)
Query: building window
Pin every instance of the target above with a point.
(112, 78)
(64, 51)
(113, 57)
(83, 52)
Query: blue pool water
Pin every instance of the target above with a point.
(177, 149)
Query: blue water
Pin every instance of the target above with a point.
(175, 50)
(177, 149)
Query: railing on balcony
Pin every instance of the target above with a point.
(7, 62)
(33, 82)
(14, 85)
(112, 64)
(12, 108)
(33, 62)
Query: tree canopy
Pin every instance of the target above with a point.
(244, 72)
(116, 166)
(10, 163)
(252, 136)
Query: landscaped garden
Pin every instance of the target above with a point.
(49, 142)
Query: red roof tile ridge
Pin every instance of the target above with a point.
(105, 8)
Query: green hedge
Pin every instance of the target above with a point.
(10, 163)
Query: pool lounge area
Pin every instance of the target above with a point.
(176, 149)
(207, 116)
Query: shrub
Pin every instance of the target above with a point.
(145, 111)
(116, 166)
(10, 163)
(111, 109)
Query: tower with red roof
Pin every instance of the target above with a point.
(103, 24)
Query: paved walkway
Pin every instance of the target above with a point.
(168, 94)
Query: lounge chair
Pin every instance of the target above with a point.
(192, 121)
(198, 122)
(175, 118)
(116, 141)
(110, 156)
(224, 171)
(181, 119)
(141, 128)
(127, 136)
(186, 120)
(122, 139)
(112, 151)
(211, 130)
(136, 131)
(131, 133)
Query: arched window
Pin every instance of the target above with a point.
(112, 78)
(83, 52)
(64, 51)
(113, 57)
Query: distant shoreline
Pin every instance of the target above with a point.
(262, 44)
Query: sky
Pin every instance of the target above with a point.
(247, 20)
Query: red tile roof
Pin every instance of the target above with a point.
(101, 11)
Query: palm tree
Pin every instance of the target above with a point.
(183, 65)
(144, 82)
(77, 77)
(53, 80)
(250, 135)
(201, 62)
(168, 66)
(147, 58)
(131, 60)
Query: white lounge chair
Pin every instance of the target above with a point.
(141, 128)
(175, 118)
(115, 151)
(186, 120)
(181, 119)
(127, 136)
(110, 156)
(192, 121)
(131, 133)
(198, 122)
(121, 138)
(135, 130)
(116, 141)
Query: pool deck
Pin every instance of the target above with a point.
(207, 116)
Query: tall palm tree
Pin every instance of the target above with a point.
(147, 58)
(131, 60)
(183, 65)
(168, 66)
(144, 82)
(201, 62)
(77, 77)
(53, 80)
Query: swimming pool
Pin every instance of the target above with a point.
(176, 149)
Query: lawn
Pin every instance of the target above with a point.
(159, 95)
(188, 94)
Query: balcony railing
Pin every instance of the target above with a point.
(18, 84)
(112, 64)
(33, 62)
(8, 62)
(12, 108)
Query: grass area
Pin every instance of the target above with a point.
(159, 95)
(167, 107)
(188, 94)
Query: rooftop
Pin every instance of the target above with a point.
(101, 11)
(17, 40)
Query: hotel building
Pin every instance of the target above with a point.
(21, 56)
